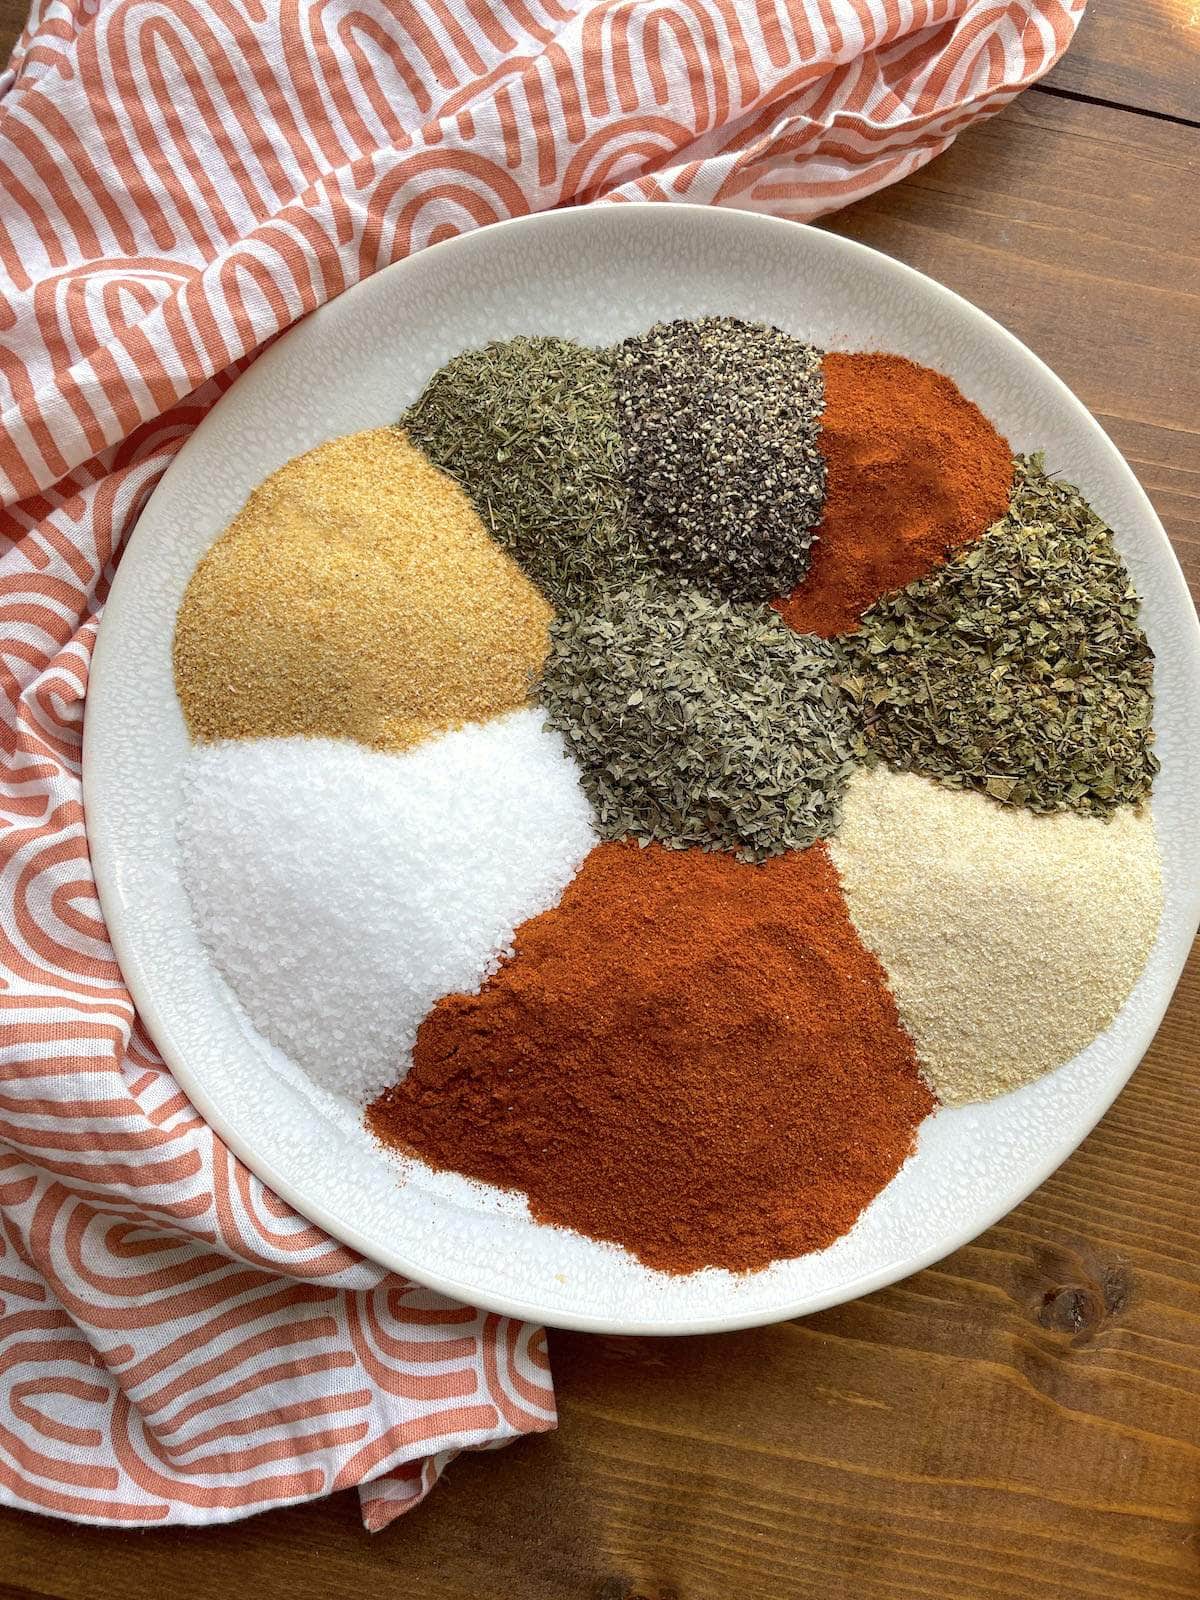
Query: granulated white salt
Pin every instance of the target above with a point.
(342, 891)
(1010, 940)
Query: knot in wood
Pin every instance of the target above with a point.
(1073, 1309)
(618, 1588)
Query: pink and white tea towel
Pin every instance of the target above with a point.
(182, 179)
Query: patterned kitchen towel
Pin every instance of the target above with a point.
(182, 179)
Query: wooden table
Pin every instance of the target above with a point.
(1024, 1418)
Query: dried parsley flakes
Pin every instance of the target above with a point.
(699, 722)
(1019, 667)
(720, 419)
(528, 427)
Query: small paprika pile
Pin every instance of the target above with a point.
(695, 1059)
(913, 470)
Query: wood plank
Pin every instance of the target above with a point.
(12, 19)
(1024, 1417)
(1143, 54)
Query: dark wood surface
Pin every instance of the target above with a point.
(1023, 1418)
(1140, 53)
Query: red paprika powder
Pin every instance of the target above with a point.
(693, 1057)
(913, 470)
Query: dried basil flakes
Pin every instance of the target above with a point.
(720, 419)
(699, 722)
(527, 427)
(1019, 667)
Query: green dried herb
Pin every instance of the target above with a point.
(527, 426)
(1019, 667)
(699, 722)
(720, 420)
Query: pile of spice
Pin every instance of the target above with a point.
(699, 722)
(356, 596)
(593, 948)
(1019, 667)
(719, 419)
(1009, 939)
(342, 891)
(528, 427)
(690, 1057)
(913, 470)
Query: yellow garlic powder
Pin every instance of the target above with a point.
(357, 595)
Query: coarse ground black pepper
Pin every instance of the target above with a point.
(719, 419)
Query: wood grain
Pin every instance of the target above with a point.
(1024, 1417)
(1140, 53)
(12, 19)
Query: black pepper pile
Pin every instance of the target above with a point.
(719, 419)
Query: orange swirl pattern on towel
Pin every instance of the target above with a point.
(181, 181)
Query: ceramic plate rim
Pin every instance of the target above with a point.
(120, 916)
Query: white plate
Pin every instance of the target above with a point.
(595, 274)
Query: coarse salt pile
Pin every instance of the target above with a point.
(342, 891)
(1010, 939)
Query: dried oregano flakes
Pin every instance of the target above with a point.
(719, 419)
(698, 721)
(1019, 668)
(527, 426)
